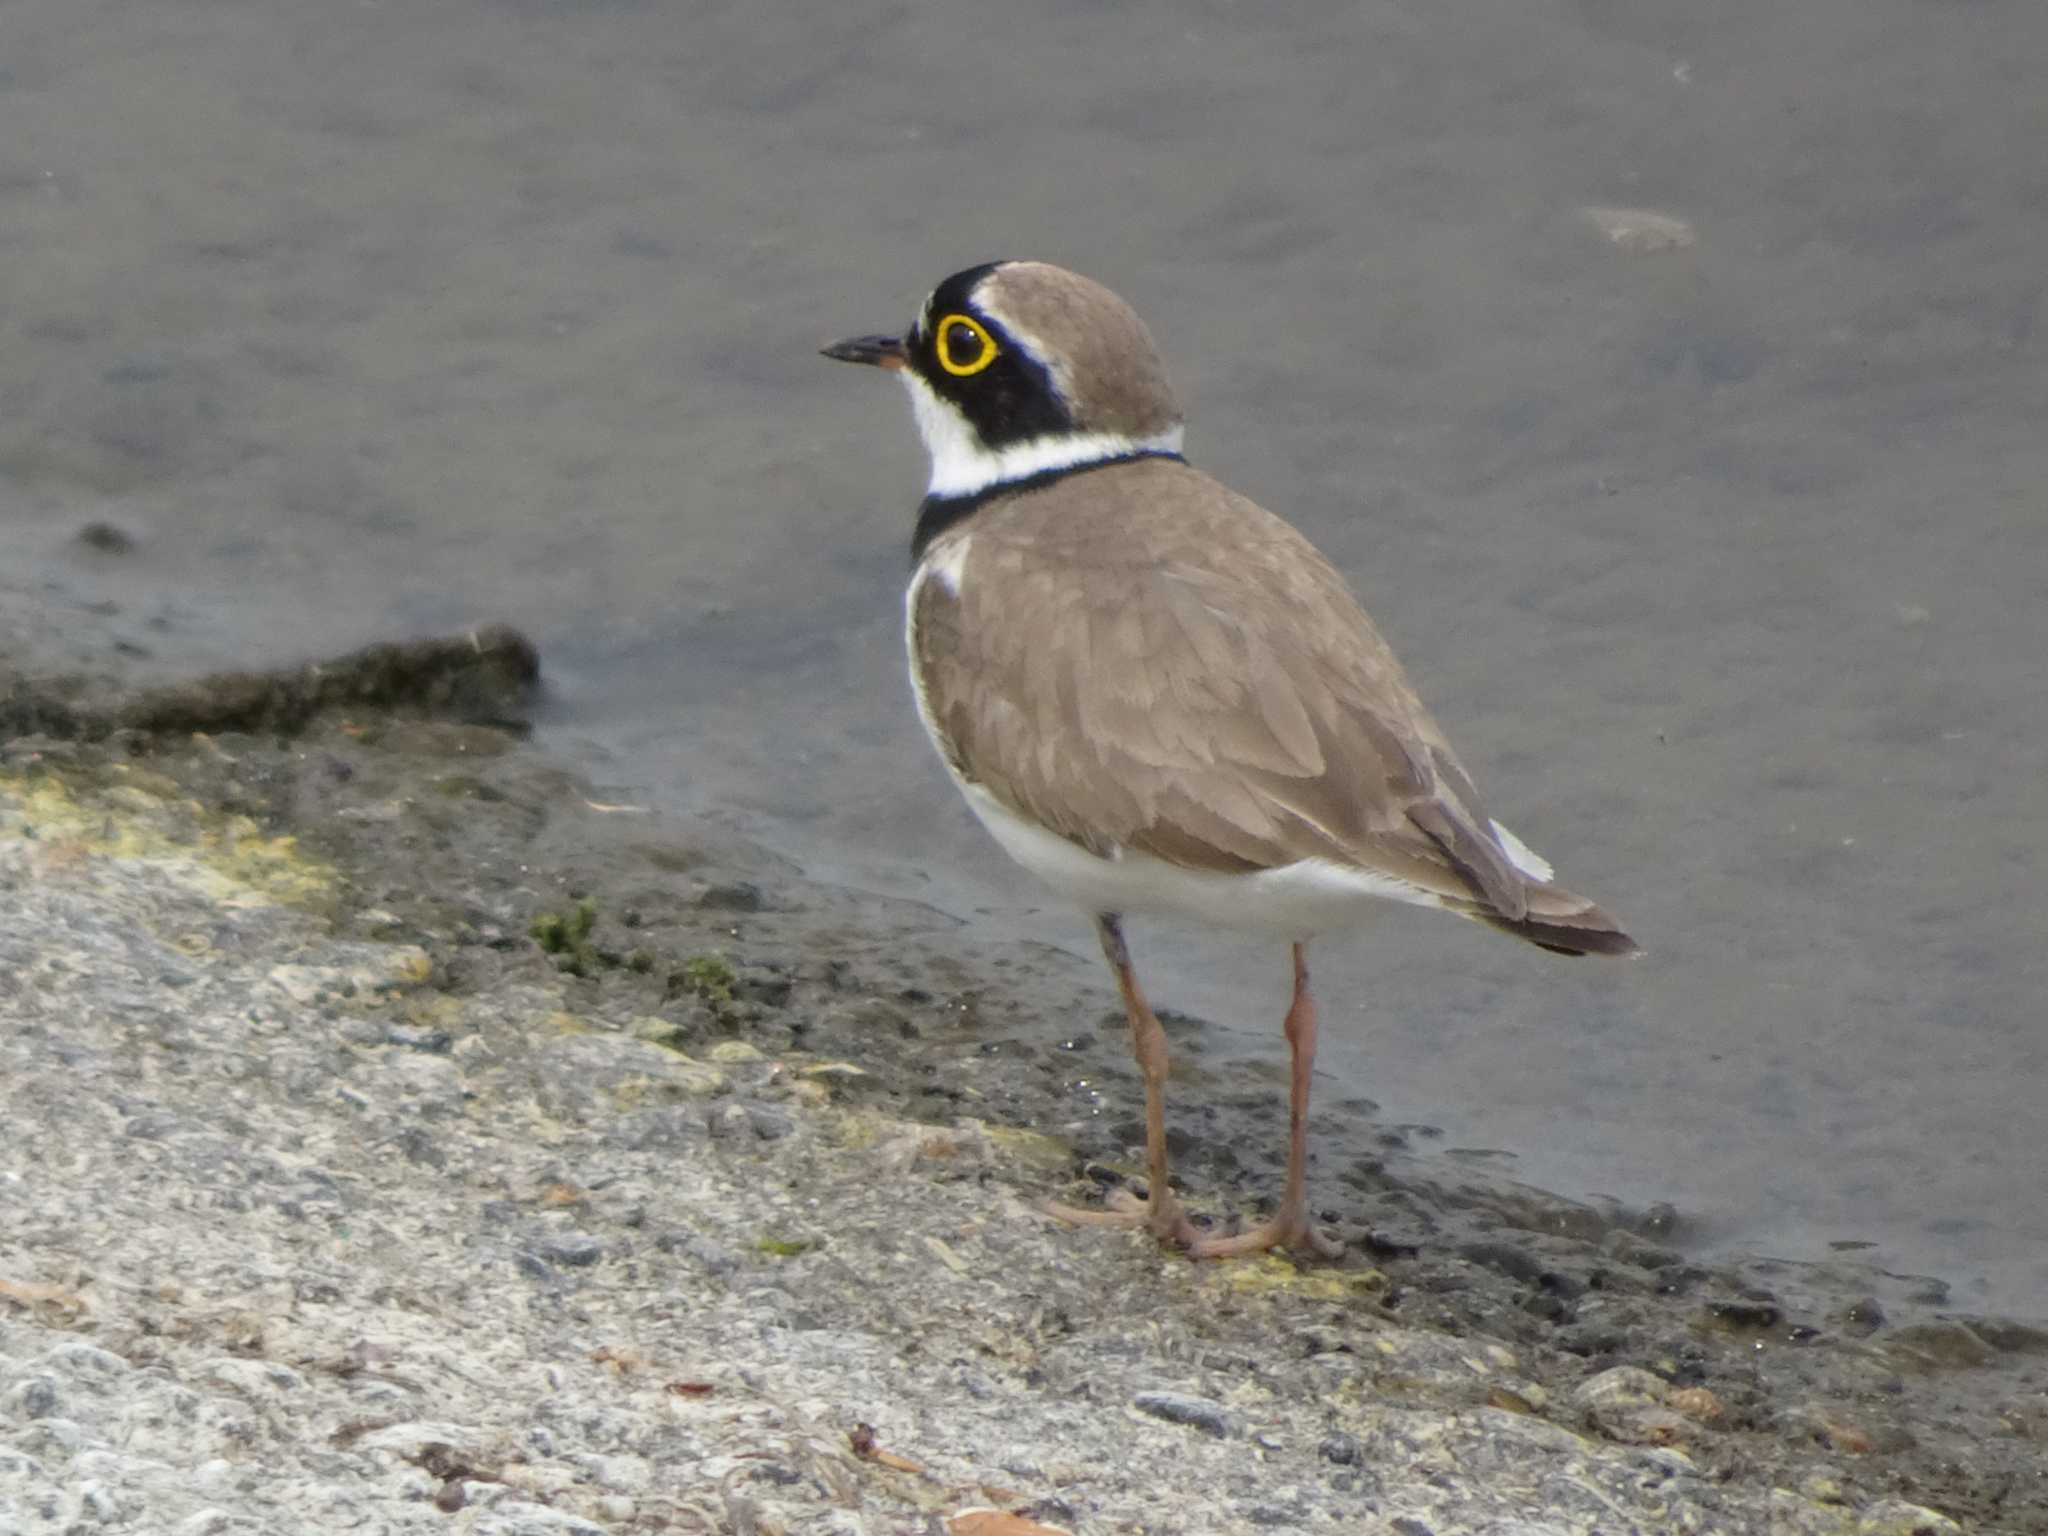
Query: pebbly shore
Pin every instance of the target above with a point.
(400, 1134)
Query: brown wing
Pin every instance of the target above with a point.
(1185, 676)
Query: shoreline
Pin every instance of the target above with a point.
(404, 1135)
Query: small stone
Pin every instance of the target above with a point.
(1631, 1406)
(738, 896)
(769, 1124)
(572, 1250)
(96, 1499)
(403, 965)
(1698, 1403)
(304, 984)
(659, 1031)
(1742, 1316)
(1624, 1386)
(734, 1053)
(1522, 1397)
(1506, 1258)
(697, 1080)
(728, 1121)
(716, 1259)
(1176, 1408)
(834, 1069)
(435, 1042)
(1821, 1488)
(1863, 1317)
(1341, 1449)
(1938, 1346)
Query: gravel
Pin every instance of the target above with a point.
(333, 1201)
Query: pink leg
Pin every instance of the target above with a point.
(1160, 1212)
(1290, 1226)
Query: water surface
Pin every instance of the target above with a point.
(1722, 564)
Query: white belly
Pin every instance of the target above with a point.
(1294, 901)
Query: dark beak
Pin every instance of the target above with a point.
(876, 351)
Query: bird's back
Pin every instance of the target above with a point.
(1147, 663)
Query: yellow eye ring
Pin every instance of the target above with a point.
(976, 335)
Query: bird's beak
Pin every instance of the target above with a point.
(876, 351)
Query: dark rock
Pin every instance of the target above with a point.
(1754, 1314)
(1196, 1412)
(1342, 1449)
(739, 896)
(106, 538)
(768, 990)
(1592, 1340)
(1383, 1244)
(717, 1260)
(1274, 1517)
(1515, 1263)
(770, 1124)
(420, 1148)
(572, 1250)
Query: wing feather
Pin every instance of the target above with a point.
(1187, 677)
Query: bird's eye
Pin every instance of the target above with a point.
(964, 347)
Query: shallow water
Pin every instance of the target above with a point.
(1722, 563)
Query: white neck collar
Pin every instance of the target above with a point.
(963, 466)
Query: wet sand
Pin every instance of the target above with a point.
(1720, 562)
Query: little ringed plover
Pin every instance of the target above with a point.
(1158, 696)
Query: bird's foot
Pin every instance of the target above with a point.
(1162, 1217)
(1291, 1230)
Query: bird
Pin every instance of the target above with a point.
(1158, 696)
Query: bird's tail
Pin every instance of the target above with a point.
(1564, 923)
